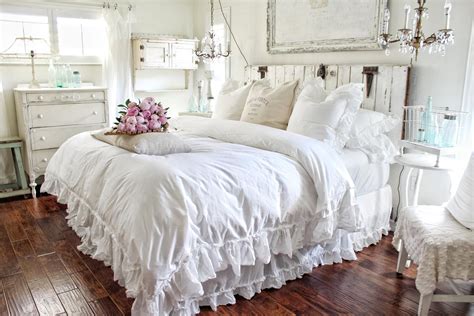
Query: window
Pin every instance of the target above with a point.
(15, 26)
(220, 68)
(73, 35)
(80, 37)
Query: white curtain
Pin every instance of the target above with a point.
(468, 97)
(6, 162)
(118, 58)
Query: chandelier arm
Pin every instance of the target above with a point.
(431, 39)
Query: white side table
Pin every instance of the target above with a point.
(421, 162)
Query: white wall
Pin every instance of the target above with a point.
(174, 17)
(440, 77)
(167, 17)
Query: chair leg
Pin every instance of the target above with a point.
(402, 258)
(424, 304)
(20, 171)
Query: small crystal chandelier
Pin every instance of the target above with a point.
(412, 40)
(210, 49)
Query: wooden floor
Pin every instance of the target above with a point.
(42, 272)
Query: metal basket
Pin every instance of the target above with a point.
(439, 131)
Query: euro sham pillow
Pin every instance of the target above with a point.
(368, 134)
(461, 204)
(326, 116)
(159, 144)
(269, 106)
(230, 102)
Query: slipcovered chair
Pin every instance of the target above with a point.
(440, 240)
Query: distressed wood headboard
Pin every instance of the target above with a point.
(386, 87)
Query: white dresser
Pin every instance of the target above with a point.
(48, 117)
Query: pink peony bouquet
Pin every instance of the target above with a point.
(143, 117)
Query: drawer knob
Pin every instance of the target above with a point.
(76, 97)
(93, 96)
(44, 160)
(40, 97)
(40, 116)
(43, 138)
(94, 113)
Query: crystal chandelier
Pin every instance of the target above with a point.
(210, 48)
(412, 40)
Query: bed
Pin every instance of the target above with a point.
(250, 207)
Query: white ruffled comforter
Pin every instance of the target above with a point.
(173, 226)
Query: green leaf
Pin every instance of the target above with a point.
(122, 112)
(127, 102)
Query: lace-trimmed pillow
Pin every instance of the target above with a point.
(326, 117)
(368, 134)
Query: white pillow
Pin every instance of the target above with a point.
(370, 124)
(461, 205)
(368, 134)
(269, 106)
(231, 100)
(147, 143)
(326, 117)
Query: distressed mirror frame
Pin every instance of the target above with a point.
(341, 44)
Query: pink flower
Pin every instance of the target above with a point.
(132, 120)
(121, 127)
(133, 111)
(124, 118)
(142, 128)
(154, 117)
(154, 125)
(154, 108)
(161, 112)
(146, 114)
(140, 120)
(132, 104)
(147, 103)
(163, 120)
(131, 128)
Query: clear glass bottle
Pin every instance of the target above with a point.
(68, 81)
(449, 129)
(76, 79)
(426, 119)
(60, 76)
(51, 75)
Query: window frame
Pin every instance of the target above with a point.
(53, 14)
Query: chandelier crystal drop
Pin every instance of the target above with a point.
(210, 48)
(411, 40)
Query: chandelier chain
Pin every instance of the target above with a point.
(212, 14)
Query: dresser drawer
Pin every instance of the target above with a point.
(40, 159)
(53, 137)
(62, 97)
(67, 114)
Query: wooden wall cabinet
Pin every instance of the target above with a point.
(164, 53)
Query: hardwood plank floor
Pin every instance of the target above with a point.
(43, 273)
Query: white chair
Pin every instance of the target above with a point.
(440, 240)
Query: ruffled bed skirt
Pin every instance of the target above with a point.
(245, 268)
